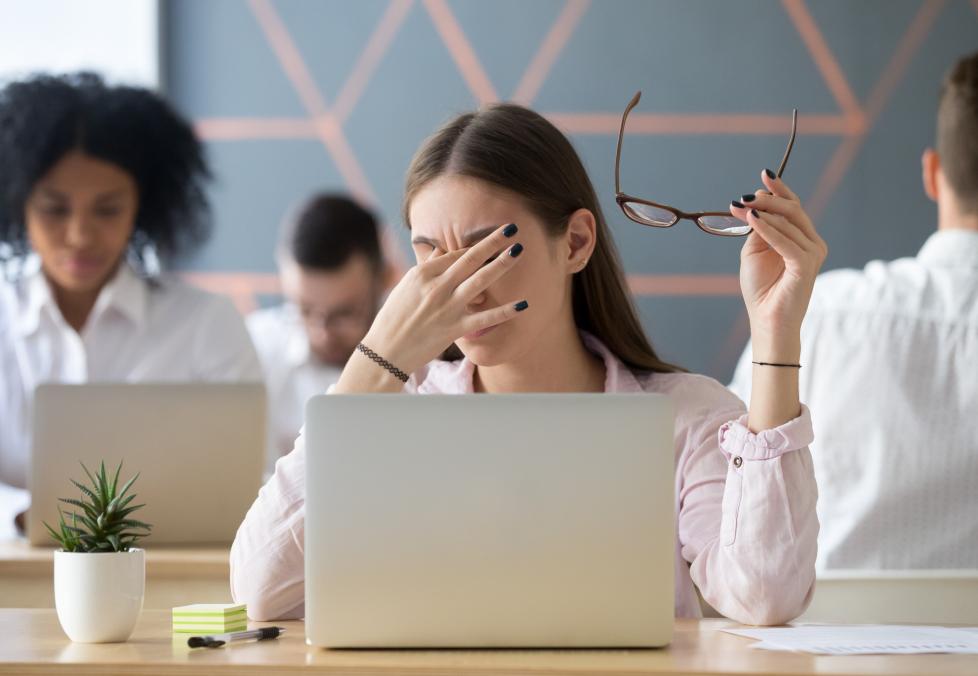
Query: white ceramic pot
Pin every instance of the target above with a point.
(99, 596)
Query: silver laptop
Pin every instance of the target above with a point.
(489, 521)
(198, 448)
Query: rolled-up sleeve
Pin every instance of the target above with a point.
(267, 557)
(747, 521)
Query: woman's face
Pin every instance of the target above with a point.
(453, 212)
(80, 216)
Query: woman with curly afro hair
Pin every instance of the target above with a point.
(99, 186)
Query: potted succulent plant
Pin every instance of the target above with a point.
(99, 577)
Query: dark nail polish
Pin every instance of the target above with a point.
(510, 230)
(738, 204)
(516, 250)
(747, 198)
(522, 305)
(770, 174)
(753, 212)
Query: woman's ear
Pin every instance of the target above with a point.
(582, 232)
(930, 166)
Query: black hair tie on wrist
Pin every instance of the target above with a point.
(768, 363)
(390, 368)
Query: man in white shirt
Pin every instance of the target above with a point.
(890, 373)
(333, 278)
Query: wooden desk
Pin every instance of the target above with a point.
(31, 642)
(174, 576)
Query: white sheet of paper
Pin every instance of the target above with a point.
(865, 639)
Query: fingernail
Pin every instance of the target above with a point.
(747, 198)
(522, 305)
(738, 204)
(516, 250)
(510, 230)
(770, 174)
(753, 212)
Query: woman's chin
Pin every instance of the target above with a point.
(493, 348)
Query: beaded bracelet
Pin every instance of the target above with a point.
(396, 372)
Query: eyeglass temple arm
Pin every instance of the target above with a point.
(621, 135)
(791, 142)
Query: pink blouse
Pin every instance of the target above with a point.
(745, 504)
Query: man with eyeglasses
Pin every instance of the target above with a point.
(333, 278)
(890, 356)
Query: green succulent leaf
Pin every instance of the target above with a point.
(123, 513)
(87, 491)
(87, 508)
(101, 521)
(128, 484)
(133, 523)
(115, 479)
(103, 483)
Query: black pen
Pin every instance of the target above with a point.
(217, 640)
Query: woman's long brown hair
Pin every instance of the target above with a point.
(516, 149)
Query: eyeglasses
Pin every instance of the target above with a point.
(659, 215)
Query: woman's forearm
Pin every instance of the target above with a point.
(774, 389)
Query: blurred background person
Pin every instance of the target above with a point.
(333, 277)
(891, 376)
(99, 185)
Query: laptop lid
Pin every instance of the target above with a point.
(198, 447)
(489, 520)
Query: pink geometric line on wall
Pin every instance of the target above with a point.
(280, 40)
(550, 49)
(254, 128)
(243, 287)
(823, 57)
(373, 53)
(326, 122)
(684, 285)
(328, 128)
(463, 55)
(651, 124)
(714, 124)
(847, 151)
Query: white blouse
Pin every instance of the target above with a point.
(139, 331)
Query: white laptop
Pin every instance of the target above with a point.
(489, 521)
(198, 447)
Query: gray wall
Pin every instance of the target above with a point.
(719, 80)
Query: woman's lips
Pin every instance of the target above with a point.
(478, 334)
(83, 266)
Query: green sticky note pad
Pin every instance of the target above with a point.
(210, 610)
(189, 628)
(210, 618)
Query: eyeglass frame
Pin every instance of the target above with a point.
(621, 198)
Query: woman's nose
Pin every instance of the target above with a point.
(79, 232)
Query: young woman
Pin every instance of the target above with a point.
(517, 268)
(96, 184)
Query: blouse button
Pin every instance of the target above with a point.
(738, 461)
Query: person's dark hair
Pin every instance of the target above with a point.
(516, 149)
(328, 229)
(45, 117)
(957, 131)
